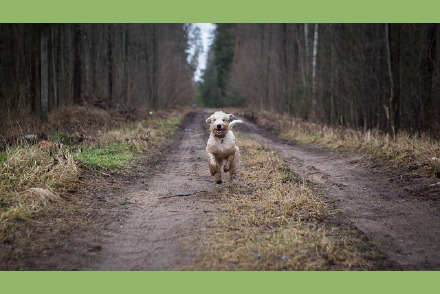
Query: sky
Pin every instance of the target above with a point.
(206, 32)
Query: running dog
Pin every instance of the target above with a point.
(221, 147)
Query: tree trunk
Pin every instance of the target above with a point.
(53, 78)
(62, 72)
(155, 73)
(77, 65)
(260, 84)
(267, 79)
(392, 33)
(125, 56)
(284, 102)
(44, 74)
(314, 58)
(427, 57)
(307, 53)
(36, 70)
(333, 78)
(110, 61)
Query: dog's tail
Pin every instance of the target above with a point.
(234, 122)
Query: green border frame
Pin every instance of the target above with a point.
(218, 282)
(348, 11)
(135, 11)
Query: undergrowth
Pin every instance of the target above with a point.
(272, 220)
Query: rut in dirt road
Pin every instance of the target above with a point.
(405, 227)
(173, 207)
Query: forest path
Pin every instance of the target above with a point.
(171, 208)
(145, 217)
(141, 218)
(404, 226)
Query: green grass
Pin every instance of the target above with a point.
(167, 125)
(113, 155)
(118, 148)
(57, 136)
(125, 202)
(289, 176)
(3, 157)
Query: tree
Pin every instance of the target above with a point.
(77, 64)
(393, 61)
(44, 73)
(427, 57)
(314, 68)
(223, 48)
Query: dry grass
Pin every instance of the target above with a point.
(36, 179)
(143, 134)
(118, 148)
(417, 153)
(31, 179)
(272, 220)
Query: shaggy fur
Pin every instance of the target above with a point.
(221, 147)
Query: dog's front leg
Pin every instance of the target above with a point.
(212, 164)
(229, 163)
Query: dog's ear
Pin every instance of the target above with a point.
(209, 120)
(231, 116)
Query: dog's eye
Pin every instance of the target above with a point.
(224, 119)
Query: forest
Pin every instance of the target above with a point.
(125, 66)
(363, 76)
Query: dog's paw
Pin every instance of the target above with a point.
(213, 169)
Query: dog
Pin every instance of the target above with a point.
(221, 148)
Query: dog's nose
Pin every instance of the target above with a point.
(219, 126)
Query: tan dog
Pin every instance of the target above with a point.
(221, 147)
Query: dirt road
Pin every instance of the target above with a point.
(157, 210)
(404, 226)
(173, 206)
(165, 206)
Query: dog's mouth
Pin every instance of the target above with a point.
(218, 131)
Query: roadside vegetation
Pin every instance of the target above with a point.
(271, 219)
(415, 154)
(118, 147)
(38, 178)
(32, 177)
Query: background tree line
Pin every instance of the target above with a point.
(383, 76)
(43, 66)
